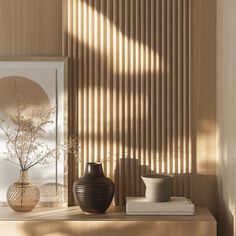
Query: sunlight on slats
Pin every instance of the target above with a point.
(133, 89)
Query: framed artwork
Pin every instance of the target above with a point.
(42, 84)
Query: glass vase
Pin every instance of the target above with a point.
(23, 196)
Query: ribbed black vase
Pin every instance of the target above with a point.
(94, 191)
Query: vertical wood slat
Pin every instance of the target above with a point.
(121, 105)
(80, 85)
(90, 87)
(153, 61)
(96, 85)
(108, 93)
(169, 82)
(180, 93)
(130, 83)
(127, 157)
(147, 87)
(185, 99)
(142, 94)
(174, 94)
(132, 101)
(158, 85)
(189, 88)
(115, 99)
(137, 97)
(102, 87)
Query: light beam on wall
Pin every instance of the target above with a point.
(130, 61)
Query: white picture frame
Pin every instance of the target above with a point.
(48, 74)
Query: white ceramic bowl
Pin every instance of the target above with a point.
(158, 187)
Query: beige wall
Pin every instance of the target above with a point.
(34, 28)
(226, 114)
(203, 55)
(30, 27)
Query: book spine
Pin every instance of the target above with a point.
(161, 213)
(152, 209)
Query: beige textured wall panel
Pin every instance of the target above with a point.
(203, 78)
(30, 27)
(226, 115)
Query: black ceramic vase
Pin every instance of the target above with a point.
(94, 191)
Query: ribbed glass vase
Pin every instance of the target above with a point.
(23, 196)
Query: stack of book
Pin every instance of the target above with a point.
(176, 206)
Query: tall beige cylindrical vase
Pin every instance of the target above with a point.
(23, 196)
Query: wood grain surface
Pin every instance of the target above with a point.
(72, 222)
(30, 27)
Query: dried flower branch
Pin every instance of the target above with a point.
(25, 146)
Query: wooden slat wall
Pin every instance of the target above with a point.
(130, 89)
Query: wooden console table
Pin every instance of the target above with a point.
(72, 222)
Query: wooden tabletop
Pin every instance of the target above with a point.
(113, 214)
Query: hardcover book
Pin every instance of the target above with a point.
(176, 206)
